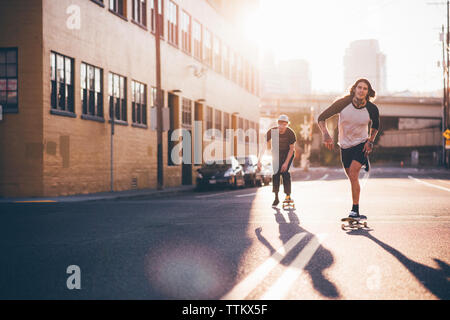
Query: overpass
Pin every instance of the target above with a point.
(389, 106)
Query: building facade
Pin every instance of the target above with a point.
(69, 67)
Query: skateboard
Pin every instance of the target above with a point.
(288, 204)
(354, 224)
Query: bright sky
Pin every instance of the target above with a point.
(319, 31)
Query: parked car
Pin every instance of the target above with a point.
(251, 170)
(266, 172)
(224, 173)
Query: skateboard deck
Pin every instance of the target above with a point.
(354, 223)
(288, 205)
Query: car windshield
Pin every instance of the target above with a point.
(244, 160)
(222, 164)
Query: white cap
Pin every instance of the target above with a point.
(283, 117)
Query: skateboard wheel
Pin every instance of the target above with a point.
(365, 224)
(343, 227)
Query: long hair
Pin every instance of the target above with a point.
(370, 93)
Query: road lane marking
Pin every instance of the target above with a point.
(307, 177)
(429, 184)
(217, 194)
(324, 177)
(35, 201)
(246, 195)
(282, 286)
(243, 288)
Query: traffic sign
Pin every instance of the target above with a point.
(446, 134)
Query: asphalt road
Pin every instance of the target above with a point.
(225, 244)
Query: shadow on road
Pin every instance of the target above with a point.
(435, 280)
(321, 259)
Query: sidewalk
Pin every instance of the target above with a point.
(127, 194)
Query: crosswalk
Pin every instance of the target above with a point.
(281, 287)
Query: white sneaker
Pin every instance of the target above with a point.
(354, 215)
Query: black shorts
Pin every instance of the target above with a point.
(353, 153)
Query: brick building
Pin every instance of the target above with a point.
(66, 66)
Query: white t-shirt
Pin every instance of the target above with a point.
(353, 126)
(354, 123)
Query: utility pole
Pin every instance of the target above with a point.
(159, 100)
(444, 95)
(447, 97)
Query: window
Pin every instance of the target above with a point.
(186, 26)
(209, 118)
(246, 127)
(245, 74)
(154, 93)
(186, 113)
(99, 2)
(226, 61)
(8, 79)
(139, 103)
(218, 119)
(62, 91)
(239, 74)
(117, 97)
(118, 7)
(91, 90)
(172, 23)
(217, 55)
(140, 12)
(226, 124)
(257, 92)
(160, 16)
(241, 131)
(252, 79)
(233, 66)
(208, 48)
(198, 38)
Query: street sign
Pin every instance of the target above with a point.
(446, 134)
(447, 144)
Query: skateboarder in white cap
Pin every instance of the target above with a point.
(281, 139)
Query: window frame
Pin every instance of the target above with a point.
(141, 9)
(172, 23)
(122, 112)
(139, 118)
(186, 113)
(5, 107)
(68, 109)
(160, 16)
(186, 35)
(217, 55)
(207, 52)
(86, 91)
(197, 44)
(116, 8)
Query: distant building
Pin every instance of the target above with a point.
(295, 77)
(363, 59)
(270, 76)
(288, 77)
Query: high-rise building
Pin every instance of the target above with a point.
(270, 76)
(295, 77)
(288, 77)
(363, 59)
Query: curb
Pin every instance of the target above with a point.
(120, 195)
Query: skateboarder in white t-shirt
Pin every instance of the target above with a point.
(356, 116)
